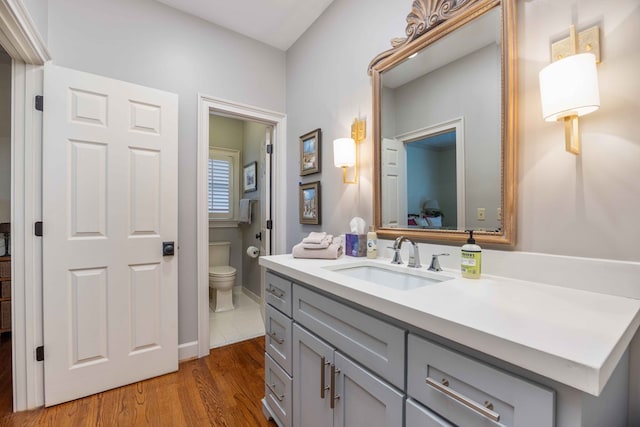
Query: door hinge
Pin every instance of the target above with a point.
(269, 224)
(269, 148)
(39, 102)
(37, 228)
(40, 353)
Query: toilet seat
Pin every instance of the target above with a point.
(221, 271)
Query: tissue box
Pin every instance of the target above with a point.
(356, 244)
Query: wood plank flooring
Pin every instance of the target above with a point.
(223, 389)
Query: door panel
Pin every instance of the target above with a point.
(109, 201)
(394, 185)
(364, 399)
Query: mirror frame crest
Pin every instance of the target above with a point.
(429, 21)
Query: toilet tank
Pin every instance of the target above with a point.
(219, 253)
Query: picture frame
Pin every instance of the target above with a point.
(250, 177)
(310, 149)
(309, 203)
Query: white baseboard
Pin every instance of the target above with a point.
(252, 295)
(188, 350)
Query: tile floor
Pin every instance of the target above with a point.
(242, 323)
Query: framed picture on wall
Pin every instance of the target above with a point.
(310, 152)
(250, 177)
(310, 203)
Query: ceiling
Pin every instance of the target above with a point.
(278, 23)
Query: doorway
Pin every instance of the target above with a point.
(238, 211)
(272, 207)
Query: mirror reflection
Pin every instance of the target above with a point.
(441, 116)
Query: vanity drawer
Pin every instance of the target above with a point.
(278, 292)
(468, 392)
(374, 343)
(278, 337)
(277, 391)
(419, 416)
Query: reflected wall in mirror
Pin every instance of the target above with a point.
(444, 125)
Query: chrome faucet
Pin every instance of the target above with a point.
(435, 264)
(414, 253)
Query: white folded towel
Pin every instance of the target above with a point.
(245, 211)
(324, 243)
(333, 251)
(315, 237)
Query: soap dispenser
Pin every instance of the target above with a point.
(471, 259)
(372, 243)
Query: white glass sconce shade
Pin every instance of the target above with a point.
(569, 87)
(344, 152)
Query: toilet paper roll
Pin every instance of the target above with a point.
(253, 252)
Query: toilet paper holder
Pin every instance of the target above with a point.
(253, 252)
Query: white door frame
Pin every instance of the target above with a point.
(206, 105)
(21, 40)
(458, 125)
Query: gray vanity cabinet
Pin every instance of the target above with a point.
(330, 363)
(331, 390)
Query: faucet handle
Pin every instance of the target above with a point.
(435, 264)
(396, 255)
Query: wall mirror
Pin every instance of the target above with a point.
(444, 130)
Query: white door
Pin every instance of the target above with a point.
(109, 203)
(394, 183)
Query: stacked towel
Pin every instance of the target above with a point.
(315, 237)
(321, 244)
(326, 247)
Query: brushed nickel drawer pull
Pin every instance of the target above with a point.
(275, 291)
(333, 396)
(274, 337)
(272, 389)
(443, 387)
(323, 381)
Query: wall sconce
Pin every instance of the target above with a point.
(345, 151)
(569, 85)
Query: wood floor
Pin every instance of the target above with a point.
(223, 389)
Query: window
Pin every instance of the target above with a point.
(223, 184)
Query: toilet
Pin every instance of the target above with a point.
(222, 276)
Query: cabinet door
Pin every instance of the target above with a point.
(311, 369)
(362, 399)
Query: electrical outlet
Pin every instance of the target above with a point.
(481, 214)
(499, 214)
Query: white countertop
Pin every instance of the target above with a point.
(571, 336)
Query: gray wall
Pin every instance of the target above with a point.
(148, 43)
(38, 9)
(327, 87)
(584, 206)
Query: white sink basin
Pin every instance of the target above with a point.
(391, 276)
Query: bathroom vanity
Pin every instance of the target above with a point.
(345, 350)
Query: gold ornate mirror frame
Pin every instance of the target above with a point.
(429, 21)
